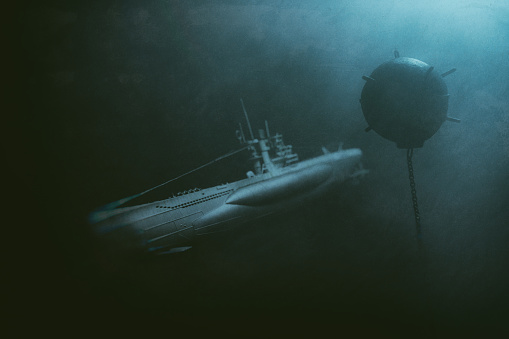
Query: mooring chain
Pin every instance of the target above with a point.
(409, 154)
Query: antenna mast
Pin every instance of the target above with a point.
(247, 119)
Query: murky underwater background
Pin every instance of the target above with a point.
(119, 96)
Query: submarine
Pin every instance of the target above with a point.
(277, 182)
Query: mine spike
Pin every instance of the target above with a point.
(453, 119)
(448, 72)
(366, 78)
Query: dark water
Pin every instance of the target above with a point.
(114, 97)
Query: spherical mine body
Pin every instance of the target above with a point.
(405, 100)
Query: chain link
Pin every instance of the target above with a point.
(409, 154)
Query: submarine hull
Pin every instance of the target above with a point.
(170, 225)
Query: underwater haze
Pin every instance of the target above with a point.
(115, 97)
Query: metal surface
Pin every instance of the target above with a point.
(405, 100)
